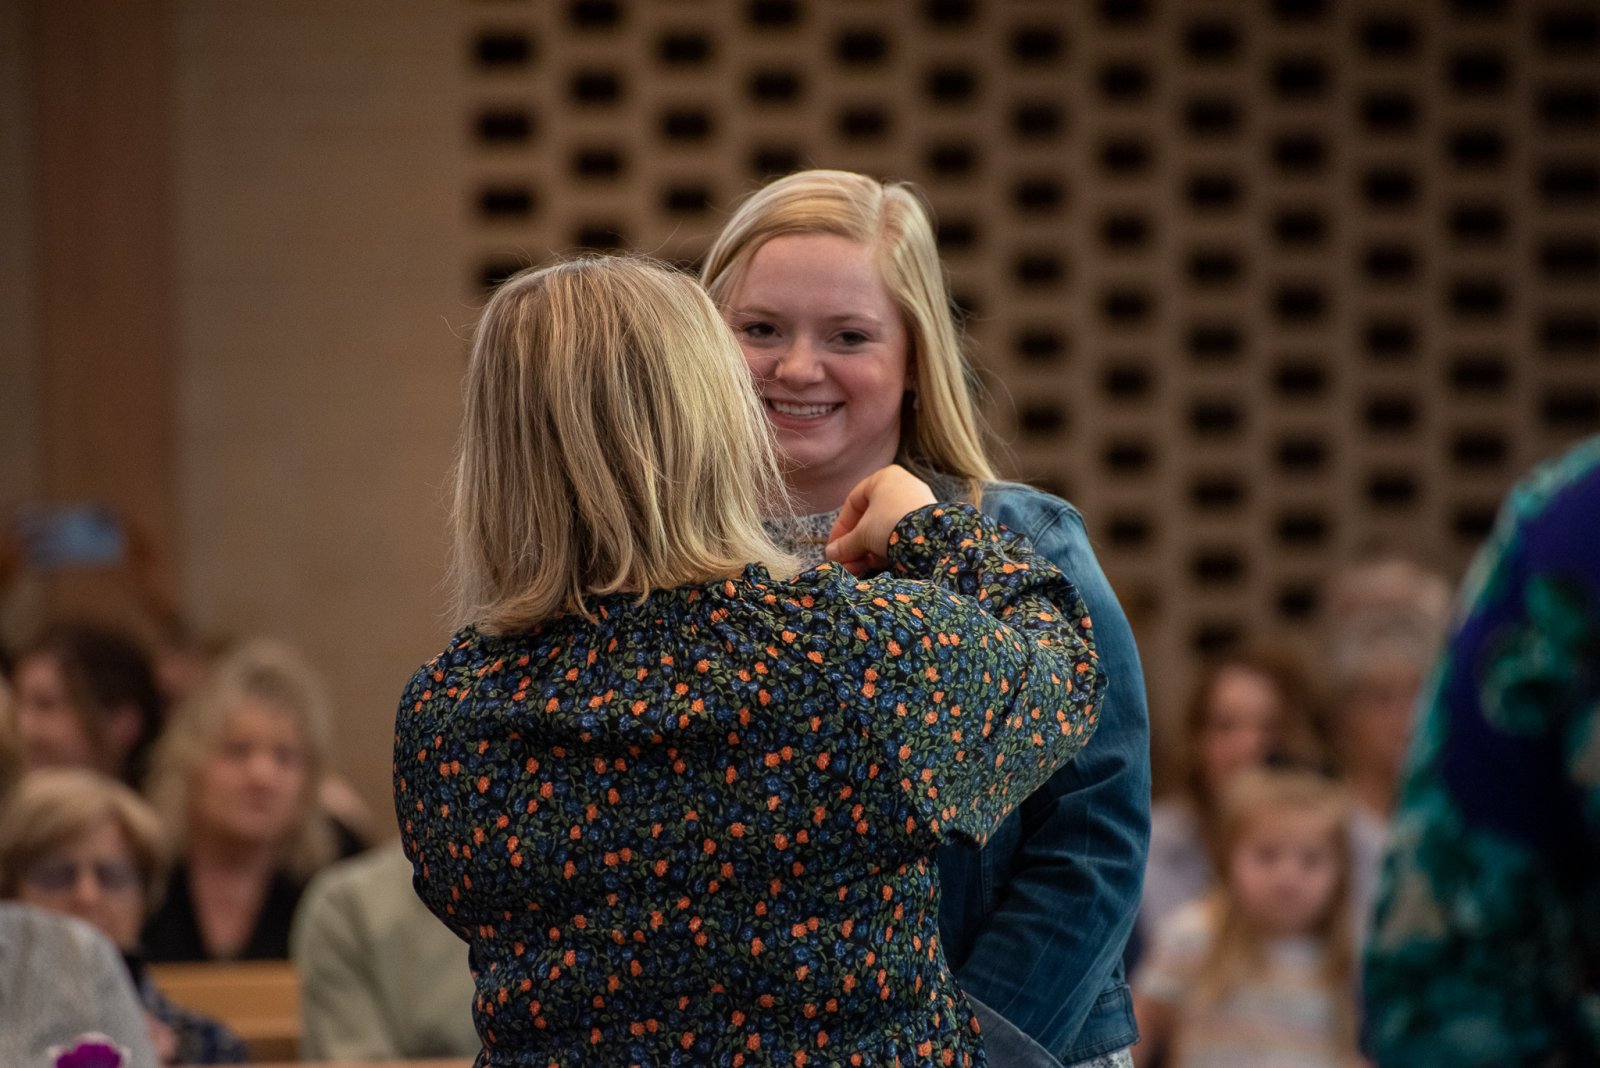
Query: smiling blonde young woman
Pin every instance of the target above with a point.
(832, 283)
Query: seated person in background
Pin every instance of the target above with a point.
(79, 844)
(1245, 707)
(86, 697)
(348, 813)
(1377, 668)
(380, 978)
(1384, 624)
(1260, 974)
(11, 764)
(59, 978)
(235, 781)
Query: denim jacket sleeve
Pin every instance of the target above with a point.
(1050, 947)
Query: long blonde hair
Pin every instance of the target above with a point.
(267, 671)
(940, 432)
(612, 441)
(1238, 950)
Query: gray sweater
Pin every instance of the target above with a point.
(59, 979)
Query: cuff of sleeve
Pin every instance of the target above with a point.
(926, 536)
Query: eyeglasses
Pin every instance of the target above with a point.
(62, 874)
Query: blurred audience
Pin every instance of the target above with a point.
(11, 765)
(1383, 585)
(380, 977)
(182, 660)
(1246, 707)
(1259, 974)
(77, 843)
(1383, 623)
(1485, 944)
(86, 697)
(235, 778)
(59, 977)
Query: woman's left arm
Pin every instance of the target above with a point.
(1055, 941)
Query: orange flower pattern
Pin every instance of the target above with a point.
(698, 828)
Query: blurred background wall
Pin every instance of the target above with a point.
(1261, 286)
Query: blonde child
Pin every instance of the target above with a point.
(1261, 972)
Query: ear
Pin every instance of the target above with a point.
(124, 731)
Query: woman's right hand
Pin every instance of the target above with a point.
(860, 536)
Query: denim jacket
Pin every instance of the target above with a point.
(1034, 924)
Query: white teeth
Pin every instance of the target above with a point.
(801, 410)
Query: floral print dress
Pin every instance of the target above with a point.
(699, 827)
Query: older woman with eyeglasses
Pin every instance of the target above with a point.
(76, 843)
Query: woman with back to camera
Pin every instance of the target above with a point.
(832, 283)
(683, 809)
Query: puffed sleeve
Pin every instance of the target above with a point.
(990, 681)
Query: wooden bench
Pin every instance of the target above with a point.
(259, 1000)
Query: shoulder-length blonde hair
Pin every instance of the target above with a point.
(277, 675)
(1238, 949)
(56, 807)
(612, 441)
(940, 433)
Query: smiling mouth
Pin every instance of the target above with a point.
(802, 411)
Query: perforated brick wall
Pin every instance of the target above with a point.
(1258, 285)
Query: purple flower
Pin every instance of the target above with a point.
(91, 1050)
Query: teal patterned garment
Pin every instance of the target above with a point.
(1485, 948)
(699, 827)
